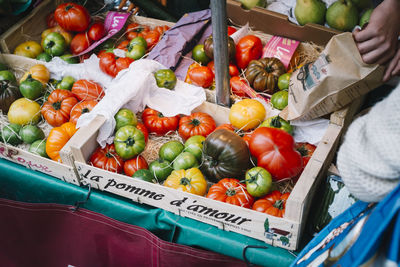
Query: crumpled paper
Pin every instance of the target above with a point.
(135, 88)
(310, 131)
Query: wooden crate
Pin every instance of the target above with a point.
(64, 171)
(32, 26)
(282, 232)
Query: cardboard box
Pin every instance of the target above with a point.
(261, 19)
(64, 171)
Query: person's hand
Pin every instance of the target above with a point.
(393, 68)
(377, 43)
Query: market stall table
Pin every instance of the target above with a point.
(21, 184)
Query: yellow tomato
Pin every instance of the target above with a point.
(190, 180)
(38, 72)
(24, 111)
(28, 49)
(246, 114)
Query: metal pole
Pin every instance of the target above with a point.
(220, 44)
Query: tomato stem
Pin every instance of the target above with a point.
(57, 105)
(185, 181)
(85, 110)
(195, 122)
(275, 122)
(230, 192)
(130, 141)
(279, 204)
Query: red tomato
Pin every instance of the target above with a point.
(107, 159)
(155, 122)
(134, 30)
(306, 151)
(124, 45)
(80, 43)
(275, 152)
(231, 30)
(237, 84)
(152, 38)
(51, 21)
(144, 130)
(198, 123)
(230, 190)
(96, 31)
(201, 76)
(161, 29)
(87, 90)
(81, 108)
(274, 203)
(57, 109)
(72, 17)
(233, 70)
(246, 138)
(248, 48)
(134, 164)
(112, 65)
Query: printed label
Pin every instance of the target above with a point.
(281, 48)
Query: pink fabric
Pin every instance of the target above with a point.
(52, 235)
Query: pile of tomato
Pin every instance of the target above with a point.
(35, 100)
(229, 163)
(71, 31)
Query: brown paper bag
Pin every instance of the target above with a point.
(333, 81)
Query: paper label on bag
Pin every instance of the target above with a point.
(280, 48)
(113, 23)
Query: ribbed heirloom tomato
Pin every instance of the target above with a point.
(155, 122)
(80, 43)
(87, 90)
(231, 191)
(107, 159)
(57, 109)
(81, 108)
(201, 76)
(198, 123)
(274, 203)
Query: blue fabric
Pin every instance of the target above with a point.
(358, 234)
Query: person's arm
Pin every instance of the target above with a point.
(369, 158)
(378, 42)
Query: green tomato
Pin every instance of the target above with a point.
(39, 148)
(279, 100)
(136, 51)
(69, 58)
(165, 78)
(194, 145)
(258, 181)
(277, 122)
(66, 83)
(129, 142)
(6, 75)
(185, 161)
(144, 175)
(125, 117)
(44, 57)
(54, 44)
(199, 55)
(31, 133)
(170, 150)
(138, 41)
(9, 134)
(283, 81)
(31, 88)
(160, 169)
